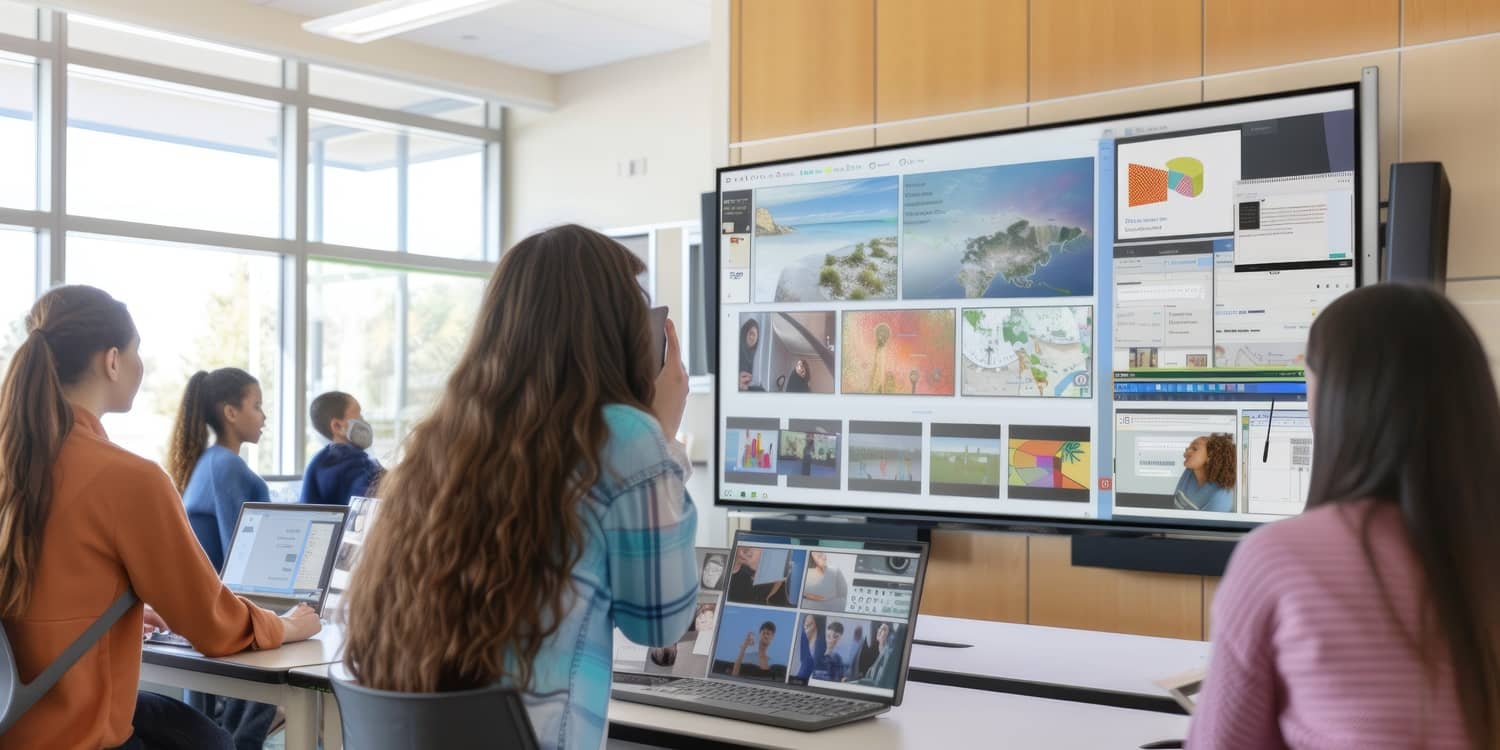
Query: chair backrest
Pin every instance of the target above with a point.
(17, 697)
(488, 718)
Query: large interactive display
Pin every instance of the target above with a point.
(1103, 320)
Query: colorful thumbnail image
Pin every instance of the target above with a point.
(1049, 463)
(755, 643)
(750, 451)
(808, 454)
(789, 352)
(899, 352)
(885, 457)
(1038, 352)
(831, 648)
(965, 460)
(826, 241)
(1017, 230)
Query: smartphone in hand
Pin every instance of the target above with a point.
(659, 336)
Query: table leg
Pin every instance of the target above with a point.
(333, 727)
(302, 718)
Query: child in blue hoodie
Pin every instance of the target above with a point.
(342, 469)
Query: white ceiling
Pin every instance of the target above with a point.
(553, 36)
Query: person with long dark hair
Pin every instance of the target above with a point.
(1372, 620)
(798, 381)
(82, 520)
(749, 345)
(215, 482)
(544, 497)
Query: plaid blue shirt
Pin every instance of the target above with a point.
(637, 573)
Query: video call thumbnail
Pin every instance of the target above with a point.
(827, 241)
(787, 352)
(885, 585)
(826, 586)
(843, 650)
(1176, 459)
(750, 450)
(755, 643)
(1036, 352)
(767, 576)
(885, 457)
(899, 352)
(1049, 462)
(1015, 230)
(809, 453)
(965, 460)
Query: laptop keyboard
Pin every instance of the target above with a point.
(764, 699)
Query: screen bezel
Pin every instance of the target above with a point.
(1355, 88)
(871, 545)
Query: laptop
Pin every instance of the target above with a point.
(281, 555)
(689, 656)
(814, 632)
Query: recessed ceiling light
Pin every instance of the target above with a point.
(392, 17)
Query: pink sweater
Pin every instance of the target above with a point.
(1305, 654)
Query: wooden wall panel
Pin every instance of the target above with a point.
(939, 56)
(736, 47)
(1241, 34)
(1100, 105)
(1431, 20)
(979, 122)
(1210, 590)
(1480, 303)
(1319, 74)
(1450, 104)
(1079, 46)
(979, 575)
(805, 67)
(1061, 595)
(792, 148)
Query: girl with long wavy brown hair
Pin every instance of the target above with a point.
(541, 504)
(1372, 620)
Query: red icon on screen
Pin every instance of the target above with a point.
(1106, 483)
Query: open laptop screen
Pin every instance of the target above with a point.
(283, 551)
(835, 615)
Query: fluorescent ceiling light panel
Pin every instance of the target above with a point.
(393, 17)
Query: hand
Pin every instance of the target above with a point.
(744, 381)
(671, 387)
(153, 622)
(749, 641)
(301, 623)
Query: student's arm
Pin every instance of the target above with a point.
(740, 659)
(650, 529)
(169, 571)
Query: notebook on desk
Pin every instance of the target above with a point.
(281, 555)
(812, 633)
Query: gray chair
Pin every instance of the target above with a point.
(17, 697)
(483, 719)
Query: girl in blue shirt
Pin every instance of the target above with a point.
(214, 482)
(1207, 481)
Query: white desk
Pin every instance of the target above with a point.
(932, 716)
(1105, 668)
(252, 675)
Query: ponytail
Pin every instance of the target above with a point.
(65, 329)
(189, 434)
(200, 412)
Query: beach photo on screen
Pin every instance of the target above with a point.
(1015, 230)
(826, 241)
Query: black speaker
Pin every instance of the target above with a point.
(1416, 229)
(707, 276)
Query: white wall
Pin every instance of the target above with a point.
(563, 165)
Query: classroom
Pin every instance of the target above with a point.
(777, 374)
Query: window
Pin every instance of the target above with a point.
(17, 289)
(389, 338)
(378, 92)
(98, 35)
(17, 19)
(358, 169)
(196, 309)
(157, 153)
(18, 151)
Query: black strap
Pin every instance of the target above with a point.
(33, 691)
